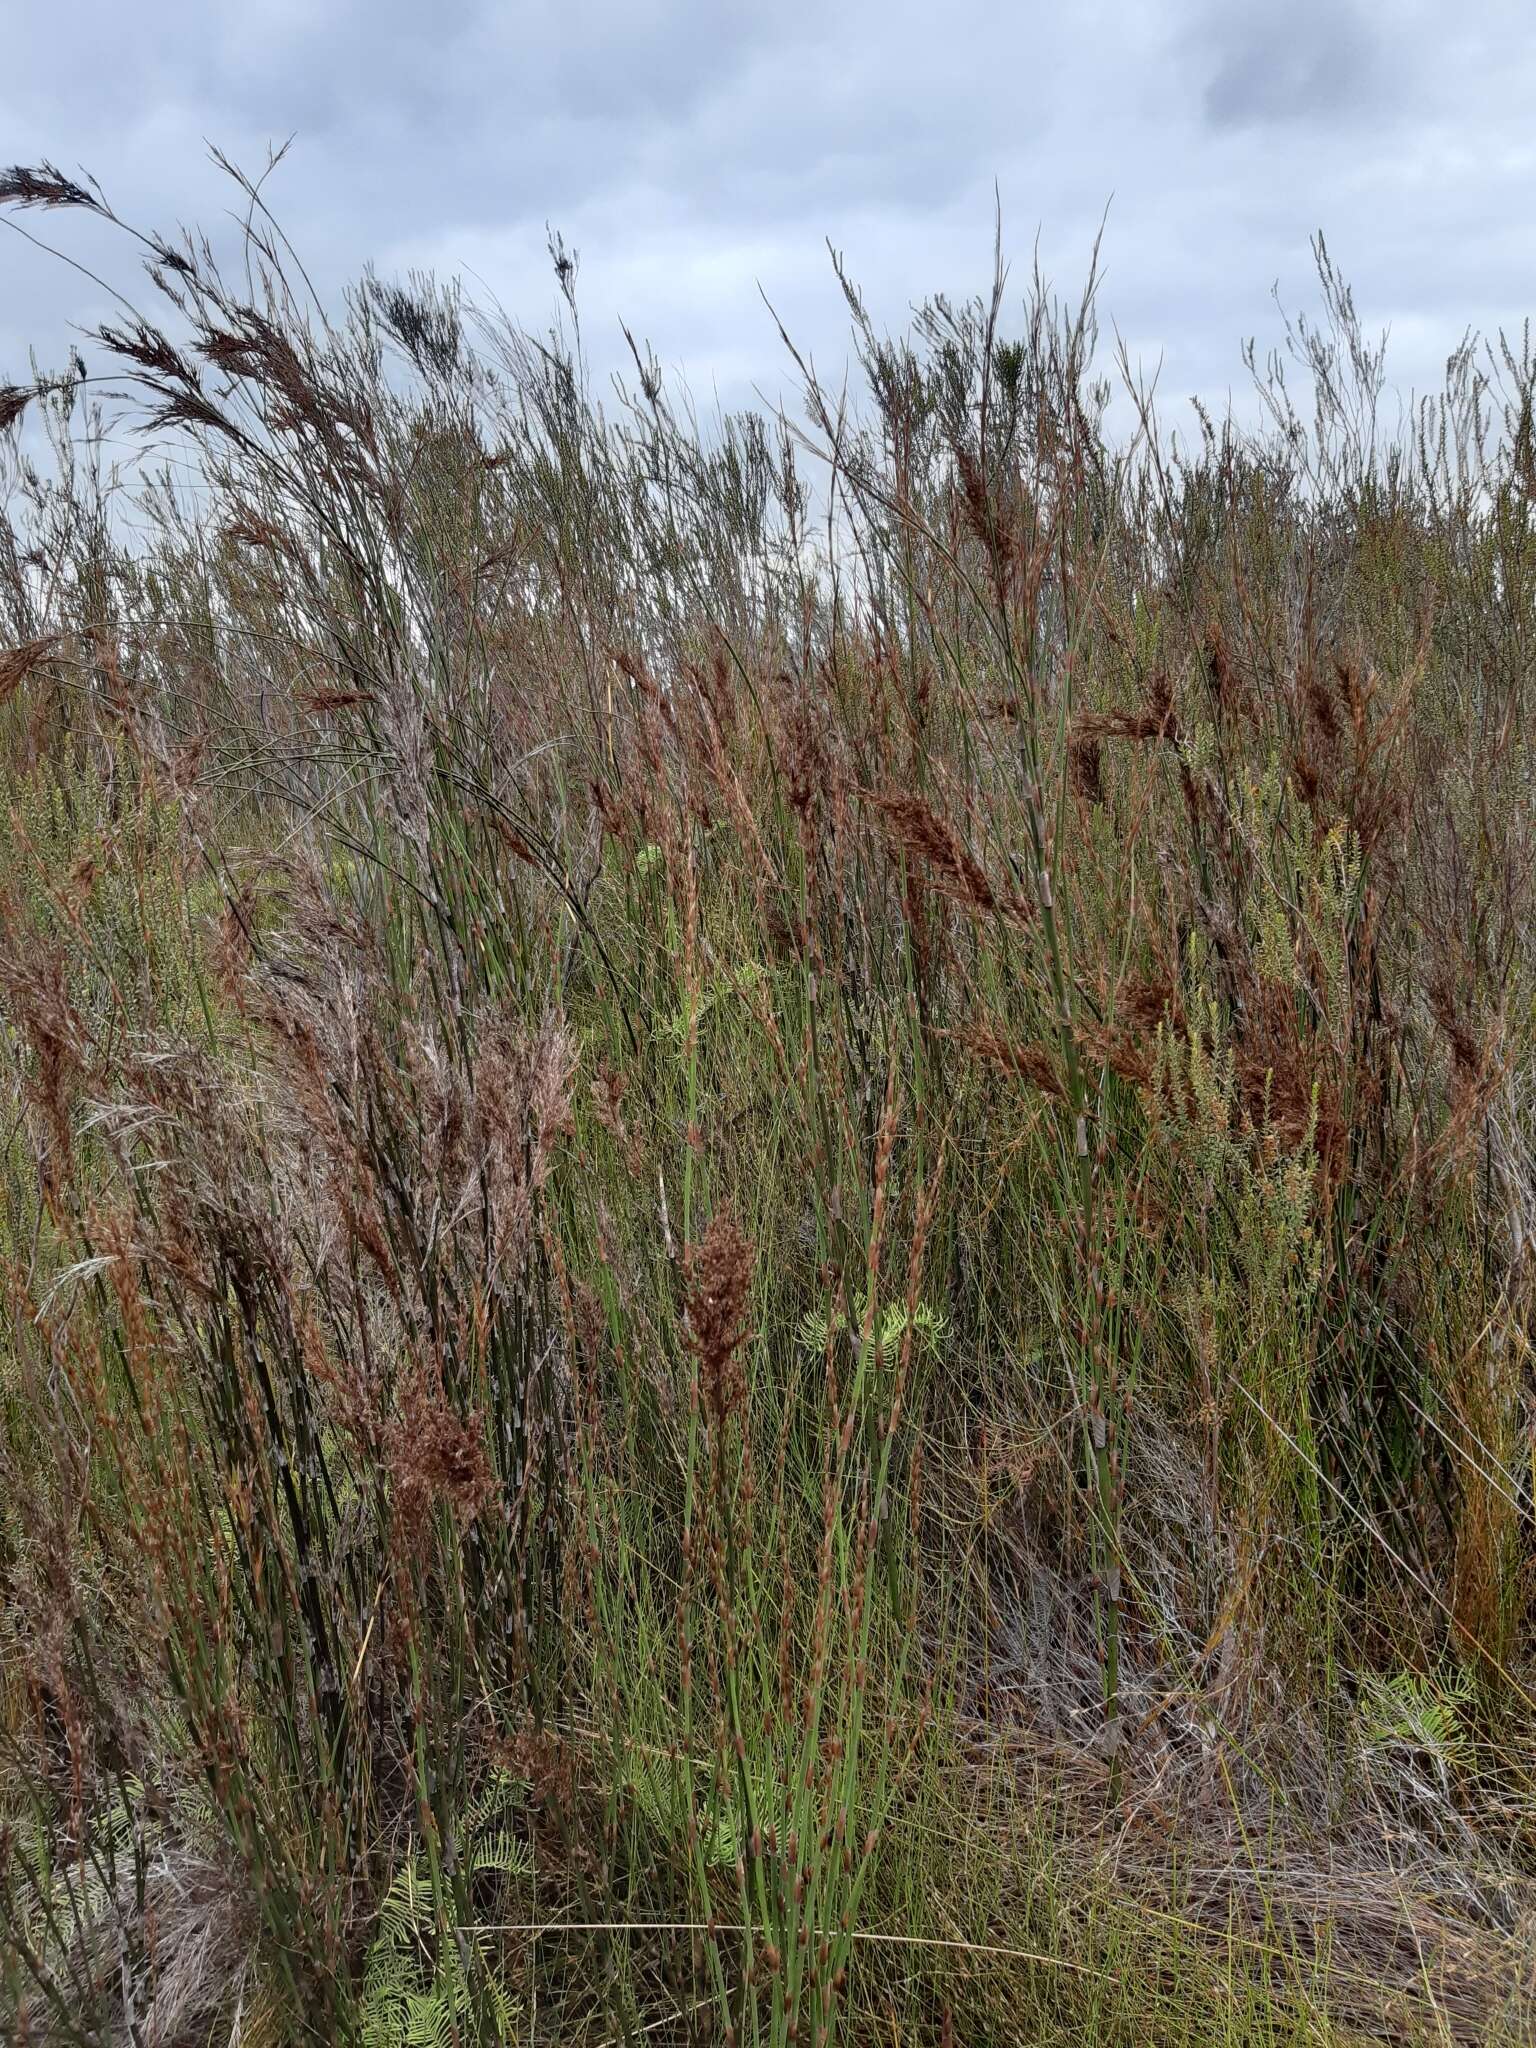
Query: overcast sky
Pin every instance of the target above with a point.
(695, 151)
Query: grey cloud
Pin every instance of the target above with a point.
(695, 150)
(1298, 63)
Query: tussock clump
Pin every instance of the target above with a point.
(765, 1277)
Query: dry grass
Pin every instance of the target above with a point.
(763, 1282)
